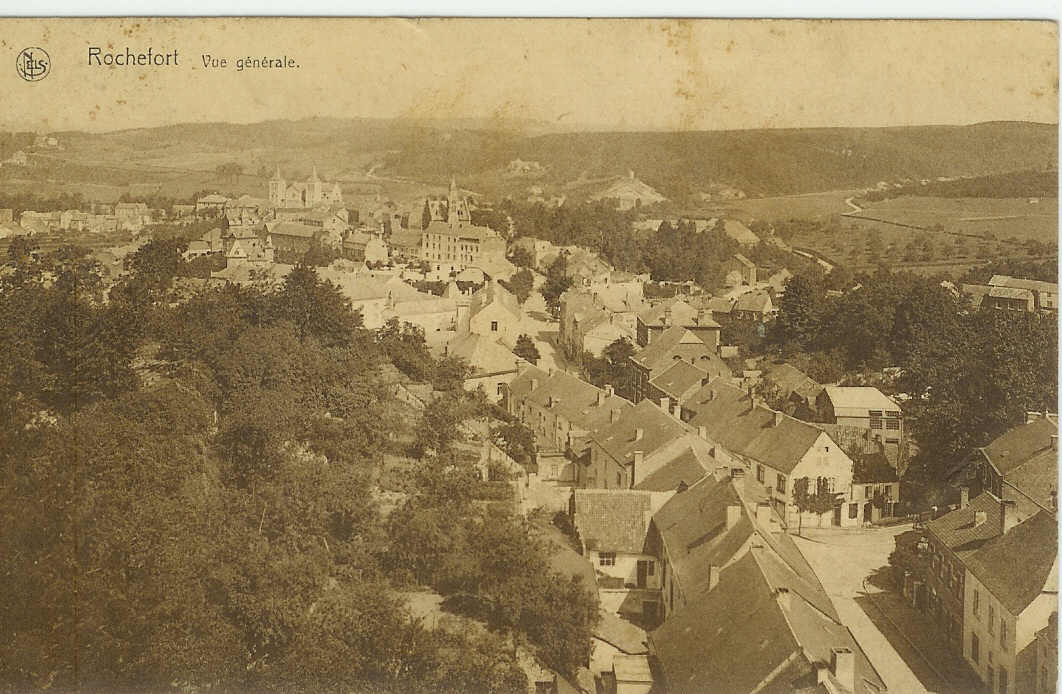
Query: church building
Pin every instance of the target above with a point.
(309, 193)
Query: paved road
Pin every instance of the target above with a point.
(843, 559)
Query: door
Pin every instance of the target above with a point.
(837, 516)
(643, 573)
(867, 512)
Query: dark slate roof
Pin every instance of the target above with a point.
(692, 525)
(686, 461)
(520, 387)
(790, 379)
(613, 520)
(658, 429)
(661, 351)
(729, 640)
(1019, 565)
(957, 531)
(1023, 444)
(751, 432)
(740, 638)
(679, 378)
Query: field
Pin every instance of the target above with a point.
(772, 209)
(1000, 218)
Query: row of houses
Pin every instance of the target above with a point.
(991, 581)
(1005, 293)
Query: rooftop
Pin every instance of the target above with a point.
(1019, 565)
(613, 520)
(860, 398)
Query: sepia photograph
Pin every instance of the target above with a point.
(528, 356)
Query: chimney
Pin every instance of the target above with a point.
(842, 663)
(964, 497)
(733, 515)
(667, 317)
(822, 672)
(601, 395)
(534, 383)
(702, 316)
(777, 418)
(782, 596)
(638, 433)
(614, 415)
(609, 390)
(980, 517)
(702, 432)
(713, 576)
(1008, 515)
(665, 404)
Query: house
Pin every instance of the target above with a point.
(675, 343)
(1045, 294)
(789, 389)
(361, 246)
(631, 674)
(1047, 657)
(406, 244)
(779, 281)
(678, 382)
(592, 319)
(648, 448)
(654, 320)
(739, 270)
(760, 627)
(212, 203)
(456, 243)
(1013, 479)
(562, 410)
(777, 450)
(618, 644)
(132, 216)
(492, 311)
(863, 407)
(753, 306)
(613, 527)
(1011, 592)
(535, 248)
(1007, 293)
(493, 366)
(629, 193)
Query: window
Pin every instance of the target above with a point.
(853, 511)
(606, 558)
(494, 326)
(501, 388)
(781, 483)
(652, 567)
(975, 648)
(1002, 633)
(892, 421)
(1003, 680)
(991, 619)
(977, 603)
(619, 479)
(759, 474)
(875, 419)
(868, 492)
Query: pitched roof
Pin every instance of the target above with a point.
(1023, 445)
(958, 530)
(613, 520)
(742, 260)
(662, 350)
(859, 398)
(521, 386)
(682, 461)
(462, 230)
(484, 355)
(736, 230)
(692, 525)
(293, 229)
(492, 293)
(790, 380)
(679, 378)
(1020, 283)
(1019, 565)
(657, 428)
(758, 302)
(774, 439)
(614, 630)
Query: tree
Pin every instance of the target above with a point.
(800, 312)
(557, 282)
(520, 257)
(517, 440)
(521, 284)
(526, 348)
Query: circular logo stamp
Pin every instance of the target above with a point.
(33, 64)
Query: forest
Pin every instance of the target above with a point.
(192, 497)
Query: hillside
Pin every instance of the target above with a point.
(681, 165)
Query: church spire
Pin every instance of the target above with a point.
(277, 176)
(313, 177)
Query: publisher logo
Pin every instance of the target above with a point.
(33, 64)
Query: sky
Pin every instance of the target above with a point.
(569, 73)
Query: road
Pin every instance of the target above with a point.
(843, 559)
(856, 209)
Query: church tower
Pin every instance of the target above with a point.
(313, 189)
(277, 189)
(456, 206)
